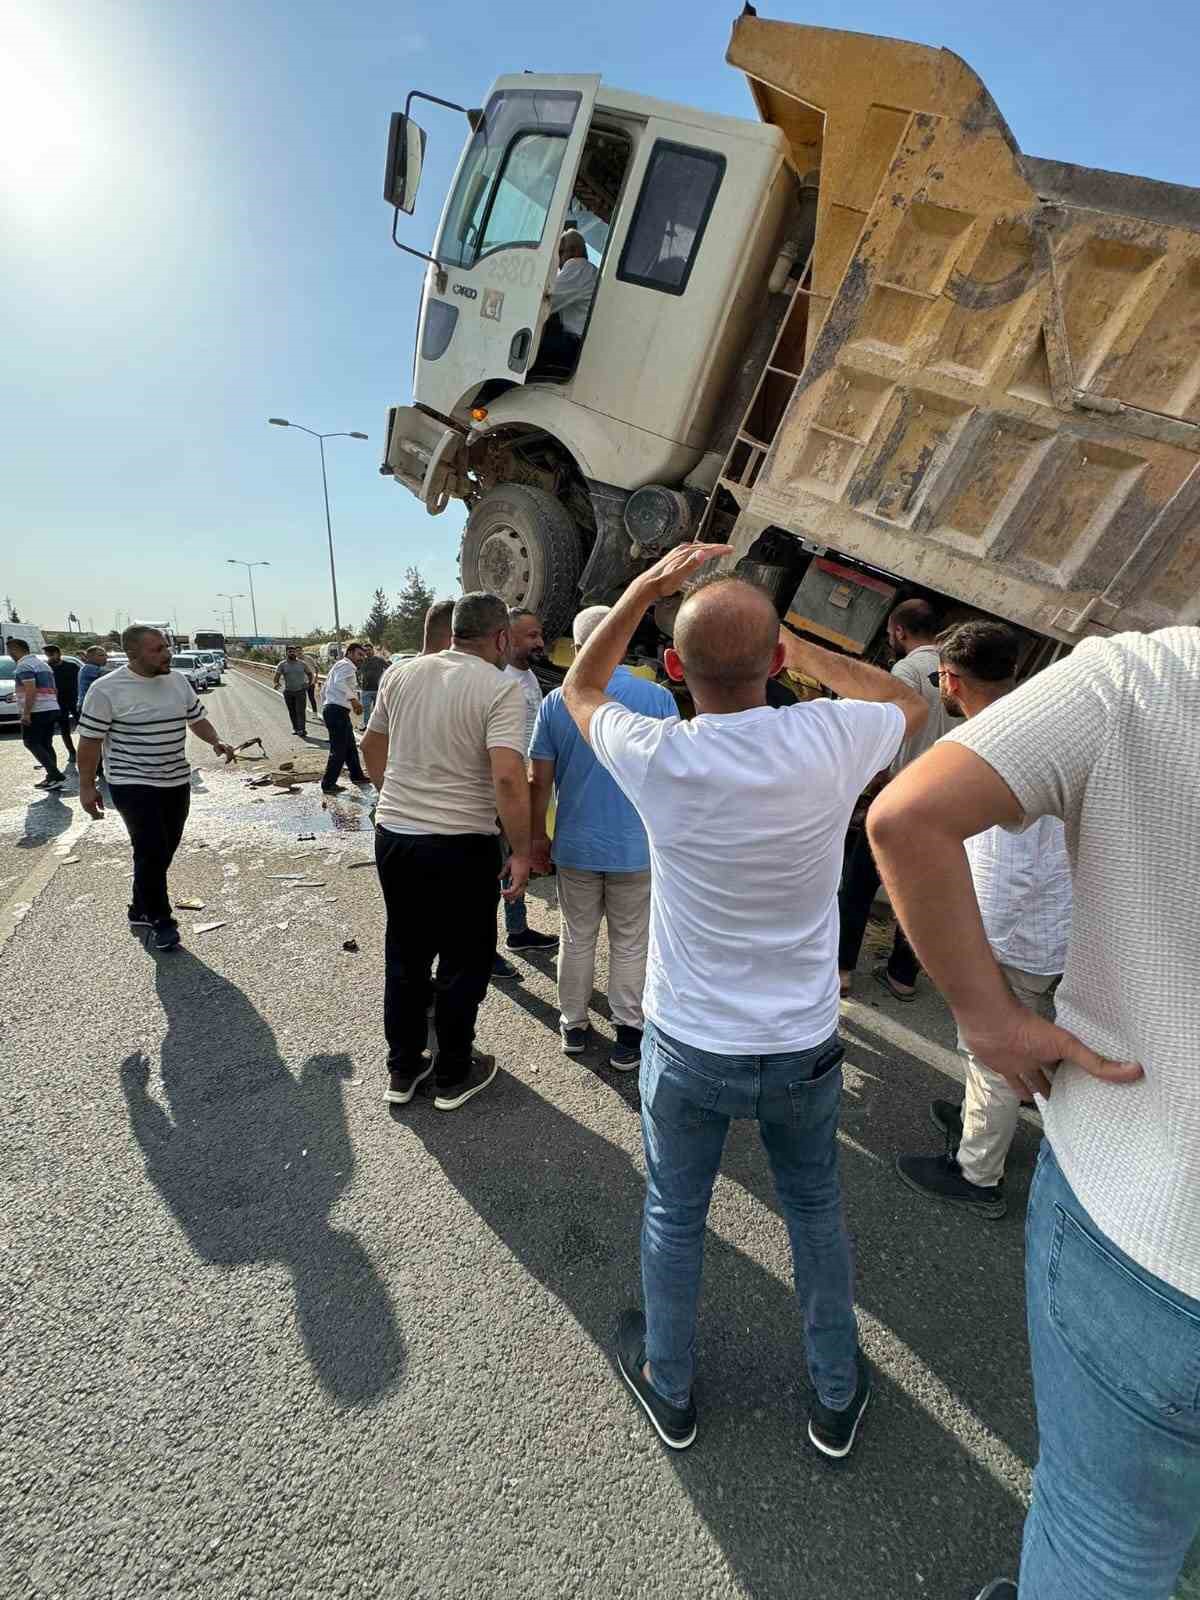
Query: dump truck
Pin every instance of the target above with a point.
(866, 340)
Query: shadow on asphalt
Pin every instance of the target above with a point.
(45, 818)
(251, 1162)
(594, 1059)
(566, 1202)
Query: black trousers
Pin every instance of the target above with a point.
(860, 880)
(312, 697)
(440, 891)
(343, 752)
(37, 735)
(155, 819)
(64, 730)
(295, 700)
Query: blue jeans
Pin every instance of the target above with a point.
(688, 1099)
(516, 918)
(1116, 1375)
(367, 700)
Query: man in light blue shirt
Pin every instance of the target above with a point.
(602, 859)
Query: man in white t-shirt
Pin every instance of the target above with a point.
(1023, 885)
(341, 698)
(1109, 742)
(570, 302)
(745, 808)
(525, 641)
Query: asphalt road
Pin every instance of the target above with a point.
(265, 1337)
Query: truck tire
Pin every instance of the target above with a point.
(523, 544)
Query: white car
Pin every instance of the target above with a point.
(215, 662)
(10, 711)
(193, 668)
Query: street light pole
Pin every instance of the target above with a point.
(231, 561)
(232, 616)
(282, 422)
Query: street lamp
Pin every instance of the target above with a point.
(221, 595)
(282, 422)
(231, 561)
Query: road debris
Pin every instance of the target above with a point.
(283, 926)
(351, 945)
(365, 862)
(245, 745)
(287, 766)
(305, 838)
(207, 927)
(287, 877)
(70, 861)
(190, 905)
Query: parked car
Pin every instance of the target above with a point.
(10, 711)
(196, 672)
(215, 662)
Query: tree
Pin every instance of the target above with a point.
(406, 627)
(378, 618)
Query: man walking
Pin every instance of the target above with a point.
(66, 687)
(1023, 885)
(525, 641)
(370, 673)
(446, 749)
(746, 809)
(298, 679)
(37, 700)
(1106, 742)
(912, 630)
(602, 859)
(139, 715)
(341, 698)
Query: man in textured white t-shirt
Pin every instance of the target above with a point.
(745, 808)
(1109, 741)
(1023, 885)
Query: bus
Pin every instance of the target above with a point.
(211, 641)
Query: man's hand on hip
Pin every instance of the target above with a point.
(1025, 1050)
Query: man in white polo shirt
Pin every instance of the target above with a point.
(341, 698)
(745, 808)
(138, 716)
(1109, 741)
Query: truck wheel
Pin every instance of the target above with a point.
(523, 545)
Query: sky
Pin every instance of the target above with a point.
(193, 238)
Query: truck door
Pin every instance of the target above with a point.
(497, 246)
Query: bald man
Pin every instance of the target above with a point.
(570, 302)
(745, 808)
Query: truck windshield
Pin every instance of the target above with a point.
(504, 190)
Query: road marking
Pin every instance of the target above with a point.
(947, 1062)
(27, 891)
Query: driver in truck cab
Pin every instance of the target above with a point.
(570, 302)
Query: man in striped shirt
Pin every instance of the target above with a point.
(1023, 885)
(139, 715)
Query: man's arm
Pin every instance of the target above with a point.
(854, 680)
(276, 678)
(541, 786)
(29, 695)
(916, 829)
(512, 806)
(203, 729)
(373, 750)
(586, 684)
(87, 762)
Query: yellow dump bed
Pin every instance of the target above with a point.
(988, 382)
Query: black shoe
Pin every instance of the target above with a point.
(834, 1432)
(939, 1178)
(531, 939)
(503, 969)
(675, 1425)
(946, 1116)
(574, 1040)
(482, 1071)
(166, 934)
(139, 919)
(55, 782)
(999, 1589)
(403, 1085)
(335, 788)
(626, 1054)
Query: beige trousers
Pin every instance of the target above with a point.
(990, 1108)
(584, 900)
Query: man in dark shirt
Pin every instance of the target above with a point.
(66, 681)
(369, 675)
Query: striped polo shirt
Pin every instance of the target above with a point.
(143, 722)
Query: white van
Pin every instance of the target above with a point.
(22, 630)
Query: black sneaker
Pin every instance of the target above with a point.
(139, 919)
(482, 1071)
(55, 784)
(166, 934)
(946, 1116)
(626, 1054)
(999, 1589)
(675, 1425)
(574, 1040)
(403, 1085)
(503, 969)
(940, 1178)
(834, 1432)
(531, 939)
(334, 788)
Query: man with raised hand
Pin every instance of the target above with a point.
(745, 808)
(1108, 741)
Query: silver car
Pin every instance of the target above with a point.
(193, 668)
(215, 663)
(10, 711)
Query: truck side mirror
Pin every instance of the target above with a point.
(405, 157)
